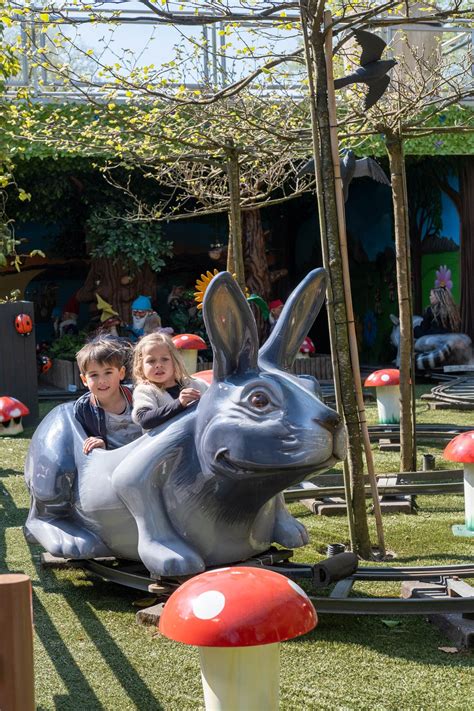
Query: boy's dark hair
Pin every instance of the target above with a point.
(103, 349)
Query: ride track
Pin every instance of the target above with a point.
(342, 569)
(453, 597)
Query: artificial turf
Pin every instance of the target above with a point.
(90, 654)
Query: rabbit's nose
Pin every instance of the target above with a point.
(330, 420)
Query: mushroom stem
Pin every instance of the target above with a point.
(241, 678)
(388, 404)
(190, 359)
(469, 496)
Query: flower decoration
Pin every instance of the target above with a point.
(443, 277)
(203, 283)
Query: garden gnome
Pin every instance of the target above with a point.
(68, 323)
(141, 313)
(109, 318)
(276, 307)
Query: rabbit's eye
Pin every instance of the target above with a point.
(259, 400)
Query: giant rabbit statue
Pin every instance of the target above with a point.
(434, 350)
(204, 488)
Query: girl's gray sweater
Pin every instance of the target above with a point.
(153, 405)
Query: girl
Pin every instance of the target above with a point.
(442, 316)
(163, 386)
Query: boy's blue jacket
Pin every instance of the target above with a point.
(92, 416)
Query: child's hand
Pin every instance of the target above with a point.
(188, 395)
(92, 443)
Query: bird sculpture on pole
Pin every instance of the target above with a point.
(372, 70)
(351, 168)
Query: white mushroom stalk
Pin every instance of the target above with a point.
(237, 617)
(461, 449)
(188, 345)
(387, 390)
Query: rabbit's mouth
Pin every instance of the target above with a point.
(234, 467)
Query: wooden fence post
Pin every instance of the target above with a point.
(16, 644)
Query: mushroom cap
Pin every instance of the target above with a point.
(237, 607)
(205, 375)
(189, 341)
(461, 448)
(11, 407)
(388, 376)
(307, 346)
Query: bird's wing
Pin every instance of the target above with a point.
(376, 90)
(377, 173)
(368, 167)
(306, 168)
(372, 46)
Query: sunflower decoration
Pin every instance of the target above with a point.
(202, 284)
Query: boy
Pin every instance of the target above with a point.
(105, 412)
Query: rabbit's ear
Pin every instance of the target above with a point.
(297, 317)
(230, 326)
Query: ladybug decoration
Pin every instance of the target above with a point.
(43, 363)
(24, 324)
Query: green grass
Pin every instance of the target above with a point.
(90, 654)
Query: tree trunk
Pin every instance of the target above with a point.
(394, 146)
(115, 283)
(235, 259)
(255, 264)
(337, 311)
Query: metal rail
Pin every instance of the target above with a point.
(432, 602)
(320, 492)
(392, 606)
(392, 432)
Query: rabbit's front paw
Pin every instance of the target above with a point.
(164, 561)
(289, 532)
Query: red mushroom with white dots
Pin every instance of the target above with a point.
(461, 449)
(188, 345)
(387, 389)
(306, 349)
(237, 617)
(11, 413)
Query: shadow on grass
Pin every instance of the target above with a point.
(414, 639)
(10, 472)
(11, 514)
(80, 691)
(84, 603)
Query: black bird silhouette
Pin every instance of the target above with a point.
(372, 70)
(351, 168)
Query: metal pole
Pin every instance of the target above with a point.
(205, 53)
(215, 77)
(222, 57)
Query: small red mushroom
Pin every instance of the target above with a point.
(306, 347)
(248, 611)
(189, 344)
(387, 384)
(11, 412)
(461, 449)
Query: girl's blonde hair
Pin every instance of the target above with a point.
(445, 310)
(159, 339)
